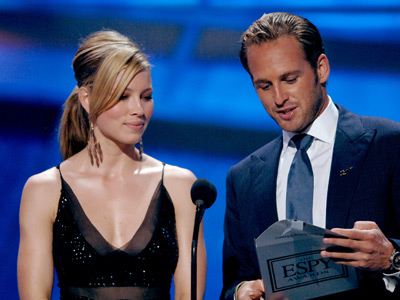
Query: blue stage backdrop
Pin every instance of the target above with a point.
(207, 115)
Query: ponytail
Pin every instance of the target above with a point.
(74, 126)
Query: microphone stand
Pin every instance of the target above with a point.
(199, 215)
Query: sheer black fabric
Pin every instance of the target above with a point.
(88, 267)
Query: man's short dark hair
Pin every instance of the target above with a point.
(275, 25)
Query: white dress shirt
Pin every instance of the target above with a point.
(323, 129)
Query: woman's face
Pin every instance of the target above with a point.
(125, 122)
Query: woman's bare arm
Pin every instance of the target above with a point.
(178, 183)
(37, 214)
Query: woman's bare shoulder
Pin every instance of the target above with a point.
(178, 182)
(171, 172)
(44, 180)
(179, 173)
(42, 190)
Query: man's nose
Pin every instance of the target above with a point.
(280, 95)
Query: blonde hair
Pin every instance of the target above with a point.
(102, 56)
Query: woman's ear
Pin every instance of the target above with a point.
(84, 98)
(323, 69)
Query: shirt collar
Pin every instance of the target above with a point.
(323, 128)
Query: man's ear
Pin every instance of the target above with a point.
(84, 98)
(323, 69)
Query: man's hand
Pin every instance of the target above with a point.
(371, 249)
(251, 290)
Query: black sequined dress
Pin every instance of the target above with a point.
(88, 267)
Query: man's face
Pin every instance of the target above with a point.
(286, 84)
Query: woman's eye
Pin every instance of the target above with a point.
(148, 98)
(123, 97)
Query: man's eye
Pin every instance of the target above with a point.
(264, 86)
(291, 80)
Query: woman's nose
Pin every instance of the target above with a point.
(136, 107)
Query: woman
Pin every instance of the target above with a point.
(122, 224)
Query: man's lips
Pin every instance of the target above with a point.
(287, 113)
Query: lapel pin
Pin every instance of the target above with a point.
(344, 172)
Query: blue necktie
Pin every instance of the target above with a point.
(300, 186)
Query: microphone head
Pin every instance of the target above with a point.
(204, 190)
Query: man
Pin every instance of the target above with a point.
(355, 163)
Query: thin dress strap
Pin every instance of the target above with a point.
(62, 179)
(162, 174)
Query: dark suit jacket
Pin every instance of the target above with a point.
(367, 148)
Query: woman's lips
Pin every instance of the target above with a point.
(135, 125)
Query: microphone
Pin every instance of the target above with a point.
(203, 195)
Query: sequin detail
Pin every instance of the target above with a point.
(94, 264)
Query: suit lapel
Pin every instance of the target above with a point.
(351, 145)
(264, 170)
